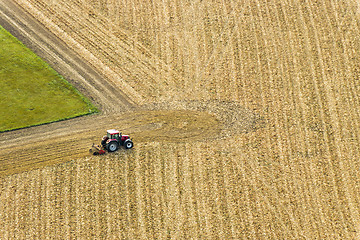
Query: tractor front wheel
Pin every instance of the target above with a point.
(128, 144)
(112, 146)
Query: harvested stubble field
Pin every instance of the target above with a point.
(274, 86)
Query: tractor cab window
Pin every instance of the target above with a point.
(113, 136)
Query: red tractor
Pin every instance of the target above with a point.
(111, 142)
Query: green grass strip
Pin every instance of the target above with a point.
(31, 92)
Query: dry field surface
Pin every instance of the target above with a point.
(245, 117)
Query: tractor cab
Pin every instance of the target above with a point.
(113, 134)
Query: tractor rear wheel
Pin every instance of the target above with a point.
(112, 146)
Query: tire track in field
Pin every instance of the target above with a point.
(313, 73)
(219, 44)
(70, 30)
(138, 198)
(282, 135)
(266, 94)
(322, 109)
(221, 191)
(186, 188)
(66, 192)
(303, 145)
(139, 63)
(194, 181)
(214, 199)
(159, 231)
(241, 79)
(202, 193)
(108, 202)
(282, 43)
(229, 187)
(278, 109)
(339, 70)
(130, 191)
(306, 146)
(34, 206)
(148, 188)
(311, 169)
(256, 203)
(237, 72)
(189, 198)
(339, 147)
(352, 102)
